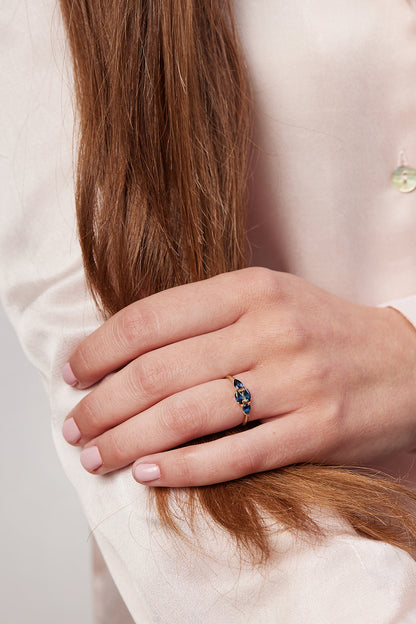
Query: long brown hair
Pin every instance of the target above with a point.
(164, 116)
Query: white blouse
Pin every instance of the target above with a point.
(335, 96)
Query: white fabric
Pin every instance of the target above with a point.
(335, 107)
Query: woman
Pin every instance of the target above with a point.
(199, 166)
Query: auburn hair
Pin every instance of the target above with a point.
(164, 115)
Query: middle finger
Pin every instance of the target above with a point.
(157, 375)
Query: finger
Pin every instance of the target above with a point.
(270, 445)
(188, 415)
(157, 375)
(160, 319)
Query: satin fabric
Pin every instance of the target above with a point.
(335, 112)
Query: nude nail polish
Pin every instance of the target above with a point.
(146, 472)
(68, 376)
(91, 458)
(70, 431)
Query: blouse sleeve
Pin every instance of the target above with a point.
(406, 306)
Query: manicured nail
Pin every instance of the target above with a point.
(91, 458)
(71, 432)
(146, 472)
(68, 376)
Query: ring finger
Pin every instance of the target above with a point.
(187, 415)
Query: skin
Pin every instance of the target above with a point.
(331, 381)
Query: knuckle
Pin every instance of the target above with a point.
(265, 281)
(297, 332)
(137, 321)
(116, 451)
(88, 417)
(83, 361)
(291, 331)
(286, 332)
(184, 459)
(329, 426)
(319, 371)
(149, 376)
(183, 417)
(331, 416)
(248, 459)
(321, 387)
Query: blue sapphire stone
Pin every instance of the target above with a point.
(239, 397)
(246, 394)
(238, 384)
(246, 408)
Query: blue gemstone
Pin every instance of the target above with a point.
(239, 397)
(238, 384)
(246, 408)
(247, 394)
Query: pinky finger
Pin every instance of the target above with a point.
(231, 457)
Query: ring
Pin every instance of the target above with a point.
(242, 396)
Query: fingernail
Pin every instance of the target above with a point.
(146, 472)
(71, 432)
(91, 458)
(68, 376)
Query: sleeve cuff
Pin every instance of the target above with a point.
(406, 306)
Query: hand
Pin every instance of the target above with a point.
(331, 381)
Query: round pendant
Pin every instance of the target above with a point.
(404, 179)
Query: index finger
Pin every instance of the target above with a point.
(160, 319)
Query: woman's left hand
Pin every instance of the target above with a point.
(331, 381)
